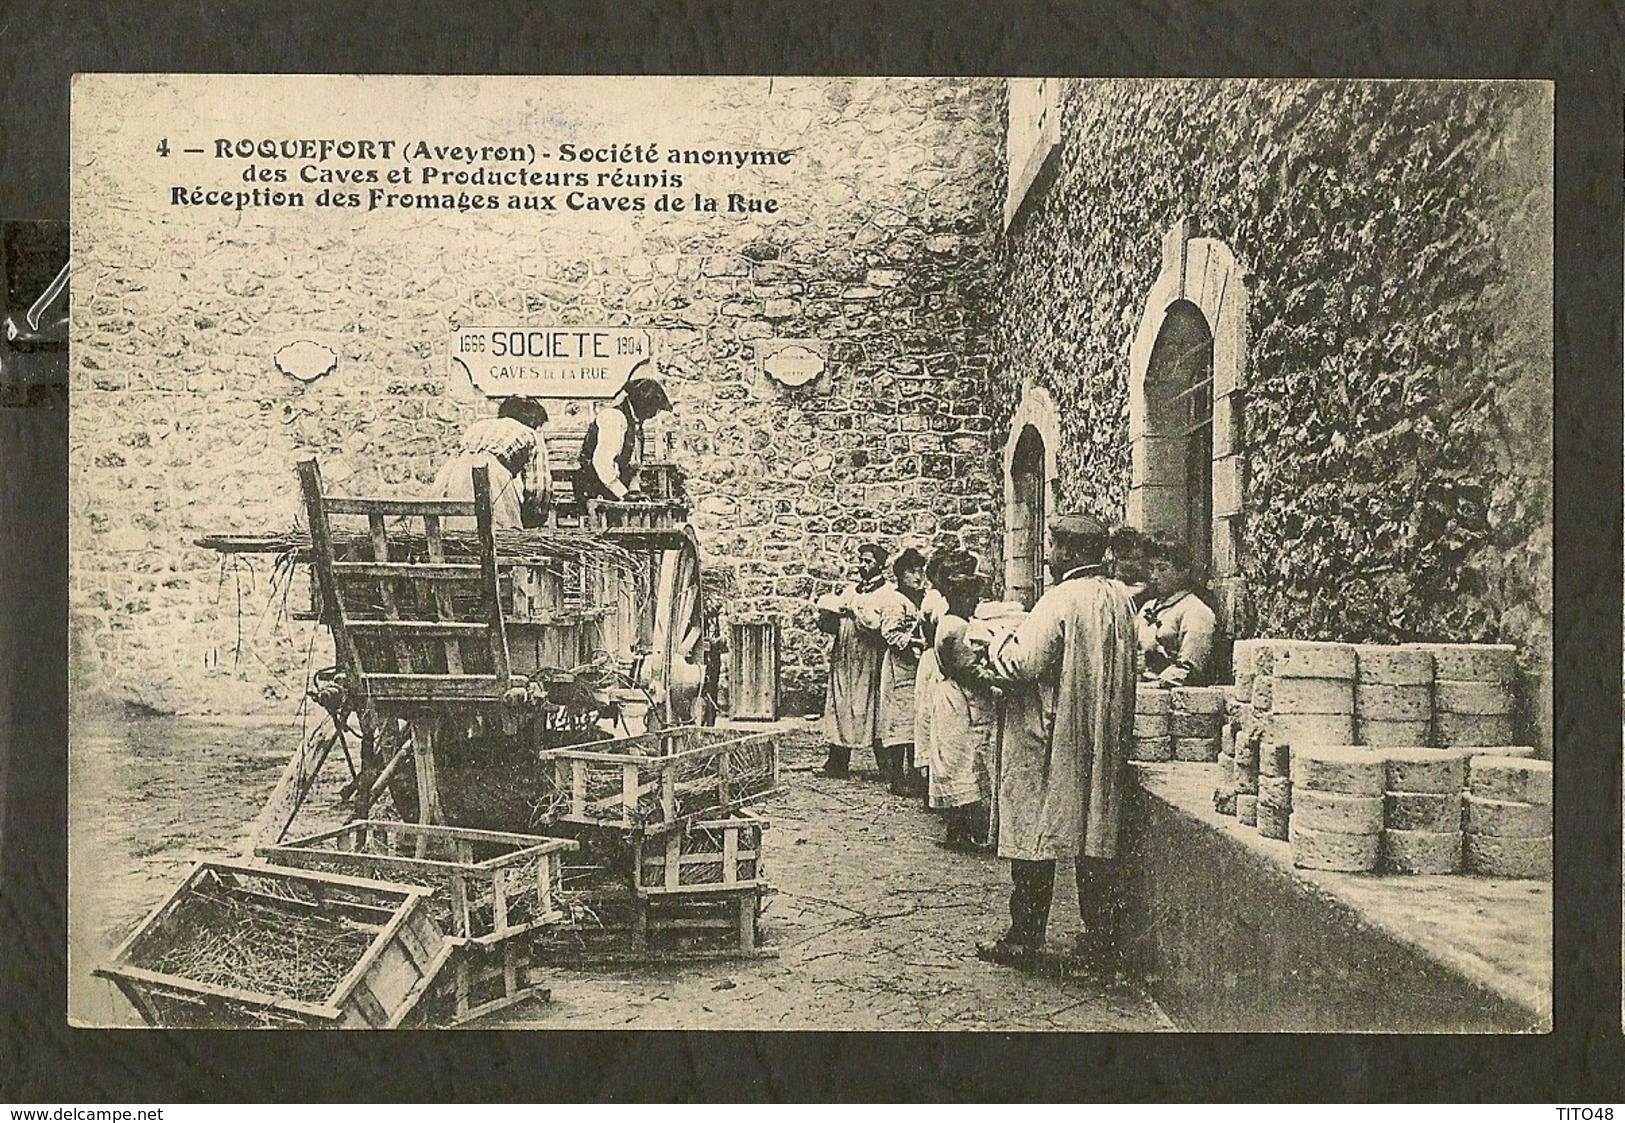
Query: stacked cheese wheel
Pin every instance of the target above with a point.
(1509, 816)
(1336, 820)
(1151, 739)
(1393, 695)
(1244, 663)
(1308, 691)
(1422, 810)
(1195, 715)
(1274, 789)
(1247, 777)
(1474, 692)
(1224, 793)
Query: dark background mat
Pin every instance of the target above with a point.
(1577, 44)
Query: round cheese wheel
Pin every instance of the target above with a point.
(1384, 702)
(1526, 752)
(1396, 666)
(1246, 783)
(1471, 662)
(1311, 696)
(1422, 811)
(1340, 814)
(1393, 733)
(1274, 759)
(1272, 821)
(1263, 697)
(1198, 750)
(1151, 700)
(1197, 700)
(1426, 770)
(1473, 729)
(1452, 696)
(1224, 800)
(1151, 725)
(1421, 851)
(1195, 725)
(1247, 749)
(1509, 857)
(1326, 850)
(1247, 809)
(1311, 729)
(1512, 778)
(1152, 750)
(1276, 791)
(1508, 818)
(1244, 658)
(1307, 659)
(1343, 769)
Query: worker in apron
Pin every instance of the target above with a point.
(612, 447)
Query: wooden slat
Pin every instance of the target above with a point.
(492, 603)
(423, 734)
(386, 588)
(429, 571)
(249, 998)
(321, 542)
(420, 629)
(366, 1004)
(430, 688)
(442, 596)
(355, 505)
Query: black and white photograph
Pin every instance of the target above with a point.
(808, 553)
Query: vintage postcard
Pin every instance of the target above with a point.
(810, 553)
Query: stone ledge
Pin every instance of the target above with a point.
(1231, 936)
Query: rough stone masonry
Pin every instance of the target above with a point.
(880, 248)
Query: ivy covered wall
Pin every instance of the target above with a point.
(1397, 428)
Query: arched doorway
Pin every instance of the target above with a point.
(1179, 431)
(1032, 480)
(1186, 399)
(1025, 574)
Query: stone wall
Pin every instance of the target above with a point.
(183, 424)
(1396, 426)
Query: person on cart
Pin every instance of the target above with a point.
(611, 448)
(510, 447)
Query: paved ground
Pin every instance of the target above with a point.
(875, 926)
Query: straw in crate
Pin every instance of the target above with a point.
(659, 780)
(488, 885)
(238, 946)
(704, 856)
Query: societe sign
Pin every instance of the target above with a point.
(550, 362)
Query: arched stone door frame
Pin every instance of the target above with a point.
(1036, 413)
(1205, 273)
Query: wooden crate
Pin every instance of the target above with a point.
(659, 780)
(614, 924)
(480, 979)
(488, 885)
(753, 670)
(398, 950)
(701, 857)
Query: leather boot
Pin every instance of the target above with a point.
(839, 764)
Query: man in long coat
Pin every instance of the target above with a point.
(1069, 717)
(852, 705)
